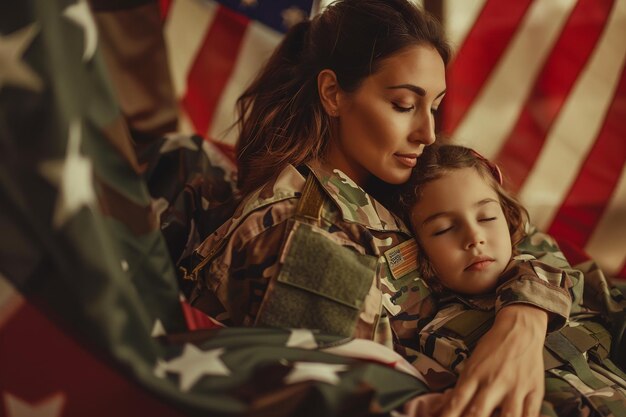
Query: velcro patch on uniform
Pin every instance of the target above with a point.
(402, 259)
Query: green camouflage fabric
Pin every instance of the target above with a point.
(191, 184)
(251, 248)
(588, 386)
(240, 267)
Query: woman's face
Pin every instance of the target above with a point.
(384, 125)
(460, 225)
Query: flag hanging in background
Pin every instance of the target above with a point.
(540, 87)
(216, 48)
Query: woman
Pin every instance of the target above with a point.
(347, 101)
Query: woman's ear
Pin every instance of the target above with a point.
(329, 90)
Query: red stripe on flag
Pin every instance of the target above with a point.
(38, 358)
(213, 66)
(586, 201)
(164, 7)
(558, 76)
(481, 50)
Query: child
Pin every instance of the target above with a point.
(468, 229)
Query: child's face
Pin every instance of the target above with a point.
(460, 225)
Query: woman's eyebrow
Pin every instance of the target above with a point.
(414, 88)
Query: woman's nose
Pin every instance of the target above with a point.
(424, 129)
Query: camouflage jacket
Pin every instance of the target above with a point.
(347, 267)
(461, 320)
(581, 376)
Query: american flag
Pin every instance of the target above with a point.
(90, 318)
(537, 85)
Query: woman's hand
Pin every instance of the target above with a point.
(505, 371)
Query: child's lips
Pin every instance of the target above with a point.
(480, 263)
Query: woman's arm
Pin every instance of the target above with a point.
(505, 371)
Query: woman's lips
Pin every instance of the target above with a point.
(408, 159)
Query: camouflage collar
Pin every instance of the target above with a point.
(355, 204)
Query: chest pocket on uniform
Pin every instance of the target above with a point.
(469, 326)
(322, 285)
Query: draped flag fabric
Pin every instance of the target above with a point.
(90, 318)
(537, 85)
(540, 87)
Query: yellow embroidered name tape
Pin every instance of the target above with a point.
(402, 259)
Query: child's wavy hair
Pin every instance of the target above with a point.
(435, 161)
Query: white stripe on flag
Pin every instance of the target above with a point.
(607, 244)
(184, 124)
(185, 29)
(577, 125)
(460, 16)
(257, 45)
(505, 93)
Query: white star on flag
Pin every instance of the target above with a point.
(192, 364)
(73, 176)
(315, 371)
(302, 338)
(50, 406)
(14, 71)
(175, 141)
(80, 14)
(158, 329)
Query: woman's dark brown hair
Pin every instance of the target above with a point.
(434, 162)
(280, 116)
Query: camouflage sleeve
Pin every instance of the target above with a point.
(236, 281)
(529, 281)
(545, 249)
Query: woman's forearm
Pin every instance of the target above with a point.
(505, 371)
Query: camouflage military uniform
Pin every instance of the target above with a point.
(581, 378)
(315, 251)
